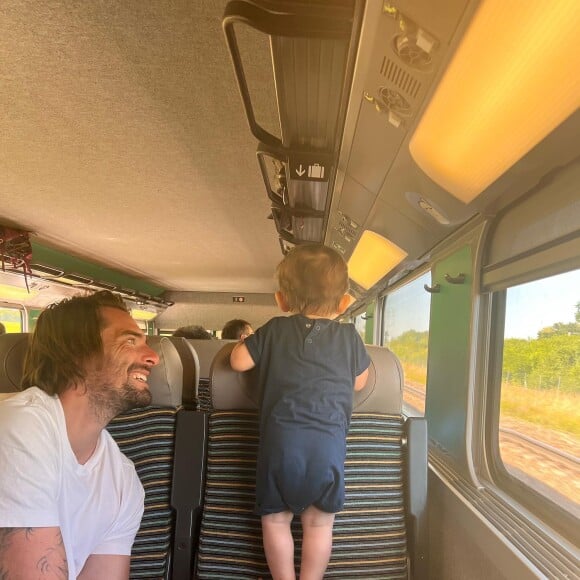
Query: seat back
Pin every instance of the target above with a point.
(370, 535)
(147, 437)
(206, 351)
(12, 352)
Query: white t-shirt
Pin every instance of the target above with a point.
(97, 506)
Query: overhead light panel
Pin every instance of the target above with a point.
(513, 79)
(15, 293)
(373, 258)
(139, 314)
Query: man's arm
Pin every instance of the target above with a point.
(99, 566)
(32, 553)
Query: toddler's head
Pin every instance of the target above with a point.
(313, 279)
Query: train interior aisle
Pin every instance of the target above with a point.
(174, 151)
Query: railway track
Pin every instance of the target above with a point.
(540, 463)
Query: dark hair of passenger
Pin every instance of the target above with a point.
(313, 279)
(193, 331)
(233, 329)
(67, 334)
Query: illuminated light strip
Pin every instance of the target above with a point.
(513, 79)
(373, 258)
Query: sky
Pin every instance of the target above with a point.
(530, 307)
(533, 306)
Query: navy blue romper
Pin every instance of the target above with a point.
(306, 369)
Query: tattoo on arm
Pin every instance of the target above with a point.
(32, 552)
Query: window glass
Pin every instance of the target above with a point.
(406, 333)
(11, 318)
(539, 426)
(360, 323)
(142, 324)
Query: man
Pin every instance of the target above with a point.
(70, 502)
(237, 329)
(194, 331)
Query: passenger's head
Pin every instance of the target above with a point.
(91, 342)
(313, 279)
(2, 329)
(194, 331)
(237, 329)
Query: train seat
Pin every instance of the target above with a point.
(12, 351)
(381, 531)
(206, 351)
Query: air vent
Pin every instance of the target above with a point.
(409, 51)
(400, 78)
(395, 102)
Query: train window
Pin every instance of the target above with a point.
(539, 417)
(360, 323)
(11, 318)
(363, 323)
(406, 333)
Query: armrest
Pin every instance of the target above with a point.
(416, 448)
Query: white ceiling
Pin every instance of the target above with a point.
(123, 140)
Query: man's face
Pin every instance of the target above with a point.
(117, 382)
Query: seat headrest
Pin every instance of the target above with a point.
(166, 378)
(165, 381)
(229, 388)
(206, 351)
(383, 392)
(12, 352)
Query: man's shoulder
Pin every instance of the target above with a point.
(29, 416)
(32, 402)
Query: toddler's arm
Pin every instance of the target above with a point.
(361, 380)
(240, 359)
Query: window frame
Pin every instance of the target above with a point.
(21, 309)
(380, 318)
(502, 481)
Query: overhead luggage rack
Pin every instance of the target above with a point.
(312, 48)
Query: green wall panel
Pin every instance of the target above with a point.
(70, 264)
(370, 324)
(448, 359)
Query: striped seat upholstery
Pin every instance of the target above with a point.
(147, 437)
(206, 351)
(369, 534)
(203, 395)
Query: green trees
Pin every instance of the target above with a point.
(550, 361)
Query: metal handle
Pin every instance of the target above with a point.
(459, 279)
(435, 289)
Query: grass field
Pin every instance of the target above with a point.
(548, 408)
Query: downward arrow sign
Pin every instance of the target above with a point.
(300, 171)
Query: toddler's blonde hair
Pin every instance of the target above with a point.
(313, 279)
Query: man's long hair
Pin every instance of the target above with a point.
(67, 334)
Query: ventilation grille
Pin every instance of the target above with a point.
(400, 78)
(395, 102)
(408, 50)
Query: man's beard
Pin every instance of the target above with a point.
(108, 401)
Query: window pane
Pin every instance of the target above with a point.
(406, 333)
(11, 318)
(360, 323)
(539, 427)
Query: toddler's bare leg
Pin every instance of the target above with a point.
(316, 543)
(279, 545)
